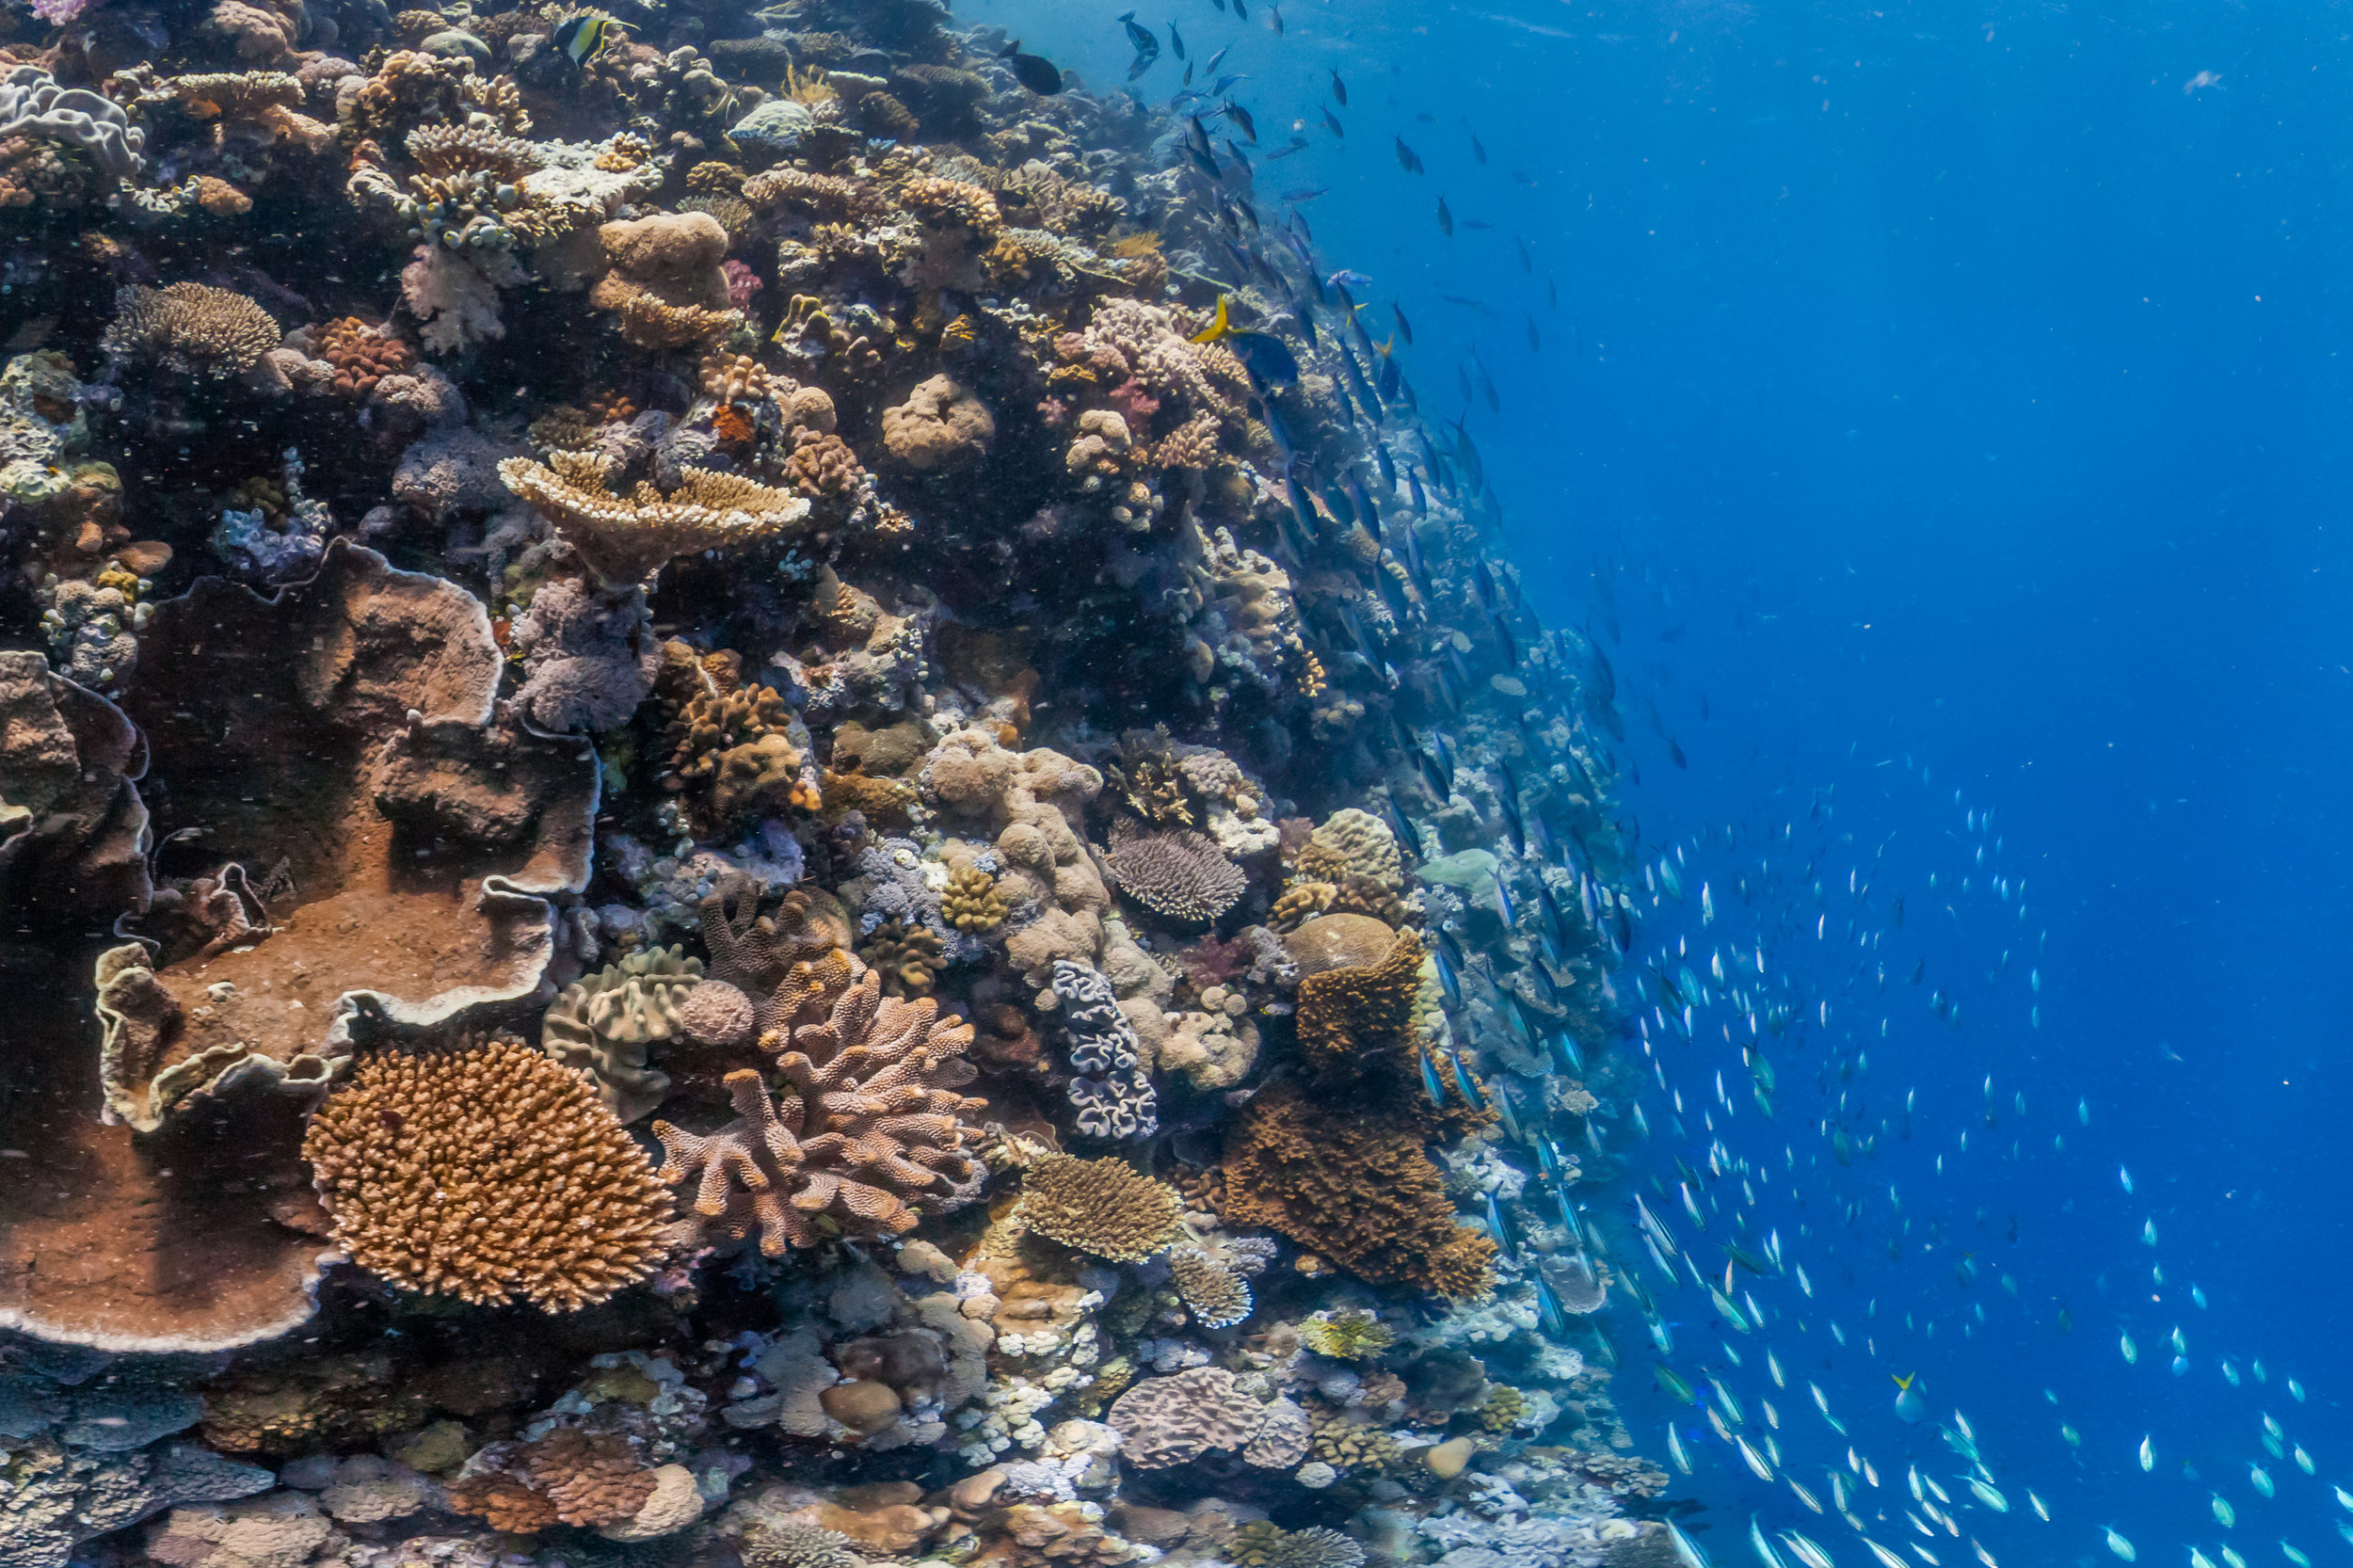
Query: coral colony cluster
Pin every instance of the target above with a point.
(712, 856)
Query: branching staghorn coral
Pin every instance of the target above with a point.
(191, 327)
(872, 1130)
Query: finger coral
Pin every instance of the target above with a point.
(873, 1129)
(625, 538)
(1100, 1207)
(492, 1173)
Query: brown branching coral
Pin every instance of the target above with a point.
(1101, 1206)
(905, 955)
(626, 537)
(733, 745)
(1178, 872)
(191, 327)
(873, 1128)
(789, 962)
(824, 195)
(490, 1174)
(445, 149)
(822, 466)
(972, 903)
(1354, 1186)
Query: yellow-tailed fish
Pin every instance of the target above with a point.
(1756, 1460)
(1219, 325)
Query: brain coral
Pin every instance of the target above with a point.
(873, 1129)
(1100, 1207)
(489, 1174)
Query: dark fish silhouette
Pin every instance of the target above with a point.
(1339, 89)
(1446, 219)
(1478, 151)
(1407, 159)
(1033, 71)
(1331, 123)
(1177, 41)
(1534, 342)
(1240, 117)
(1404, 328)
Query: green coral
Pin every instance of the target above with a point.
(604, 1023)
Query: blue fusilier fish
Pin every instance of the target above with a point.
(1508, 1116)
(1429, 1084)
(1549, 1161)
(1496, 1227)
(1503, 902)
(1549, 1316)
(1400, 823)
(1446, 980)
(1565, 1049)
(1466, 1086)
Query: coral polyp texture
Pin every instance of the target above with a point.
(490, 1174)
(733, 829)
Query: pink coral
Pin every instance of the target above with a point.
(743, 283)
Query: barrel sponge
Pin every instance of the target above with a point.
(32, 104)
(1101, 1206)
(421, 1149)
(1355, 1187)
(1360, 1016)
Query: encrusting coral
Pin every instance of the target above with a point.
(488, 1173)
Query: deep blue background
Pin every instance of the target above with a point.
(1967, 384)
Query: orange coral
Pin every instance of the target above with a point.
(1358, 1018)
(729, 424)
(362, 356)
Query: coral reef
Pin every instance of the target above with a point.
(707, 581)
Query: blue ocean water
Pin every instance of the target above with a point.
(1949, 405)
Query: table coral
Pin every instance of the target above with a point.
(627, 537)
(490, 1174)
(872, 1131)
